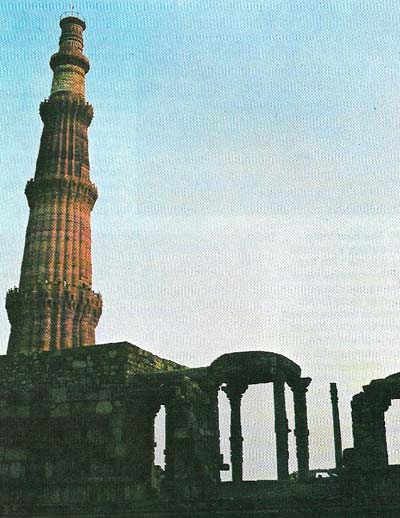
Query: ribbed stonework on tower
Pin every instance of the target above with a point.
(54, 306)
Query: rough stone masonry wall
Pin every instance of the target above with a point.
(112, 363)
(65, 433)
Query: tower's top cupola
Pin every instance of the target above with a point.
(72, 28)
(69, 64)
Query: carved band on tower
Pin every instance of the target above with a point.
(54, 306)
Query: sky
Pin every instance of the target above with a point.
(247, 159)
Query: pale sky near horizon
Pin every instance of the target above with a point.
(247, 160)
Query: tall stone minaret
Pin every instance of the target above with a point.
(54, 306)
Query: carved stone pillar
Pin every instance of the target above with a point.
(212, 457)
(337, 435)
(281, 430)
(301, 426)
(235, 393)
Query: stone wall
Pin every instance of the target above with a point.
(111, 363)
(73, 428)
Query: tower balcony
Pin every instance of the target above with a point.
(41, 188)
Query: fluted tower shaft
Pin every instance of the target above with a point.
(54, 306)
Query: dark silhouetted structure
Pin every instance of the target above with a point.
(337, 434)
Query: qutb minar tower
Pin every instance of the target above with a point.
(54, 306)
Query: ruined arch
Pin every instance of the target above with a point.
(368, 416)
(236, 371)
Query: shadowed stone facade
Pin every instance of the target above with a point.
(77, 428)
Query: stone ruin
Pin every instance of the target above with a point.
(78, 424)
(77, 419)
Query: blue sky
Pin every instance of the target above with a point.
(246, 155)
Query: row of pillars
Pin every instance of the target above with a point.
(235, 391)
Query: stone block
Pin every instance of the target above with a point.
(104, 408)
(17, 470)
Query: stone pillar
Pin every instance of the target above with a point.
(336, 426)
(181, 471)
(378, 425)
(235, 393)
(369, 430)
(213, 456)
(138, 440)
(154, 408)
(281, 430)
(213, 394)
(363, 440)
(301, 431)
(171, 409)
